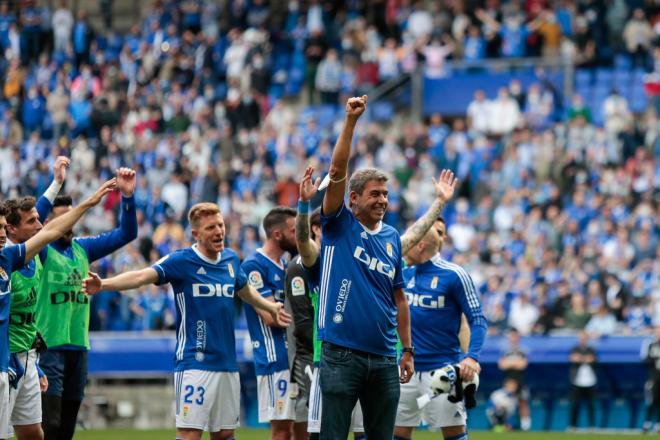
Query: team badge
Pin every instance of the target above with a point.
(3, 275)
(338, 318)
(389, 249)
(186, 409)
(434, 283)
(280, 406)
(255, 280)
(297, 286)
(231, 270)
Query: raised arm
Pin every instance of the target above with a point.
(45, 202)
(307, 248)
(62, 224)
(271, 312)
(334, 196)
(125, 281)
(444, 190)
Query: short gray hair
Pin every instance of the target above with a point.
(360, 178)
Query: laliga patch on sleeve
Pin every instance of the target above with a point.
(297, 286)
(255, 280)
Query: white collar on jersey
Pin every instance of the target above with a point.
(379, 226)
(280, 265)
(204, 257)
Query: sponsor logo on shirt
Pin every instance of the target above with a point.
(255, 280)
(425, 301)
(200, 340)
(297, 286)
(373, 263)
(209, 290)
(342, 300)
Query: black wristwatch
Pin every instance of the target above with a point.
(410, 350)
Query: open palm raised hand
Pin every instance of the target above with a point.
(308, 186)
(445, 185)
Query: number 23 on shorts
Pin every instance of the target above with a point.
(194, 397)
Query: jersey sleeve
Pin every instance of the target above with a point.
(241, 278)
(398, 274)
(168, 269)
(466, 295)
(333, 225)
(313, 273)
(104, 244)
(256, 279)
(43, 208)
(16, 256)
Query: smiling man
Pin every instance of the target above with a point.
(362, 303)
(204, 278)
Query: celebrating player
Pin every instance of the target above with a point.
(13, 258)
(204, 278)
(302, 287)
(439, 293)
(61, 300)
(24, 220)
(266, 272)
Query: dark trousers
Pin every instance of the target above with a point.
(66, 371)
(347, 376)
(578, 396)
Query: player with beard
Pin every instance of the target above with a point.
(63, 317)
(265, 270)
(205, 278)
(13, 258)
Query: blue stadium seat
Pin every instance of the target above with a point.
(638, 76)
(583, 77)
(639, 101)
(604, 77)
(622, 62)
(382, 111)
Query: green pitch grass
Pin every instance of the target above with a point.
(259, 434)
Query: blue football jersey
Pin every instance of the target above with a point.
(204, 295)
(269, 345)
(438, 292)
(12, 258)
(360, 269)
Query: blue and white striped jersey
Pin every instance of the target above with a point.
(268, 343)
(438, 292)
(204, 295)
(360, 270)
(12, 258)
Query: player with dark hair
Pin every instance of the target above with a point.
(362, 302)
(204, 278)
(24, 219)
(265, 270)
(63, 318)
(13, 258)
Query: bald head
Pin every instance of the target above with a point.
(426, 249)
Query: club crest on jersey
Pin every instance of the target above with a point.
(231, 269)
(338, 318)
(186, 410)
(297, 286)
(390, 252)
(3, 275)
(434, 282)
(255, 280)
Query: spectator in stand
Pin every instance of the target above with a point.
(504, 114)
(583, 380)
(638, 36)
(603, 323)
(435, 55)
(62, 27)
(577, 316)
(328, 78)
(478, 113)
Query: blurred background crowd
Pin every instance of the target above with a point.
(557, 214)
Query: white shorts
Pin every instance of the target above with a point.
(438, 413)
(4, 403)
(25, 400)
(277, 397)
(314, 419)
(207, 400)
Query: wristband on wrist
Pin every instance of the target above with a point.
(303, 207)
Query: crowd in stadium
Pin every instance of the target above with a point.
(556, 217)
